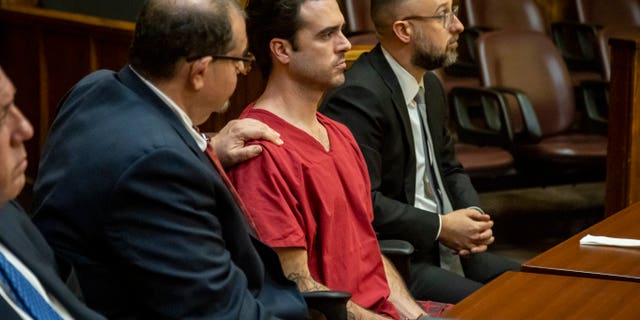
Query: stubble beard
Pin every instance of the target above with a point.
(425, 56)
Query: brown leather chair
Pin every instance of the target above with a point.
(480, 150)
(604, 19)
(526, 15)
(480, 16)
(501, 14)
(527, 68)
(607, 13)
(585, 46)
(483, 162)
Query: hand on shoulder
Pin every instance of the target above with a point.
(230, 142)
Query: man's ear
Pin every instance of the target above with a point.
(403, 31)
(280, 50)
(198, 71)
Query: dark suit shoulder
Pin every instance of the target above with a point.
(19, 234)
(22, 238)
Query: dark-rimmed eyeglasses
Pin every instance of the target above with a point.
(247, 61)
(447, 18)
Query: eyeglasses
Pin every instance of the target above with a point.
(247, 61)
(447, 18)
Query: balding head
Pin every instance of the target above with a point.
(168, 31)
(385, 12)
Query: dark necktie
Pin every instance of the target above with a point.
(448, 260)
(431, 183)
(216, 163)
(25, 294)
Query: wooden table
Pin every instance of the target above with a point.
(522, 295)
(570, 258)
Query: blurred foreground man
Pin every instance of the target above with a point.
(29, 284)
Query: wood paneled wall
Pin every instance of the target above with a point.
(46, 52)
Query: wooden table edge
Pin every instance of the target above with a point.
(578, 273)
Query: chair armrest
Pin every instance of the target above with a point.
(332, 304)
(396, 247)
(579, 45)
(531, 132)
(399, 253)
(481, 116)
(595, 98)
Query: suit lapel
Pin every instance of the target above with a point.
(133, 82)
(380, 64)
(383, 68)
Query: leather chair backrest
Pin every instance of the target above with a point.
(608, 13)
(619, 32)
(357, 14)
(504, 14)
(528, 61)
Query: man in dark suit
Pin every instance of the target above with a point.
(135, 198)
(22, 247)
(397, 110)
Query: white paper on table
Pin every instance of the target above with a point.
(609, 241)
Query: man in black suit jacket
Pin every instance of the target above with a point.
(126, 191)
(20, 242)
(377, 104)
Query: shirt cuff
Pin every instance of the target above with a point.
(477, 209)
(439, 227)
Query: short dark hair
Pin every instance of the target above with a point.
(268, 19)
(167, 32)
(383, 13)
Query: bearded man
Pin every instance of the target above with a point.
(397, 109)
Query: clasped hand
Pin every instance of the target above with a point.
(466, 231)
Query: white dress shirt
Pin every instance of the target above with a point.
(410, 88)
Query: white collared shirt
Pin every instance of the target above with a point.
(184, 118)
(410, 88)
(33, 280)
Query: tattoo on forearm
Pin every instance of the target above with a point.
(304, 283)
(351, 316)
